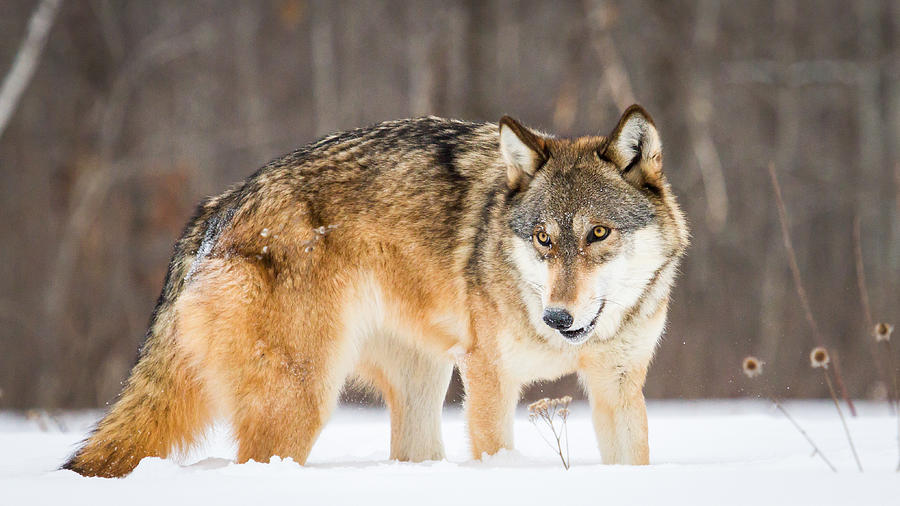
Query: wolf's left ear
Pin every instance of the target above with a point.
(523, 150)
(634, 146)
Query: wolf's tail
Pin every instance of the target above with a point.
(163, 406)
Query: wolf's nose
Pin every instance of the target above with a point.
(559, 319)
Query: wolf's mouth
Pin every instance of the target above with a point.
(579, 336)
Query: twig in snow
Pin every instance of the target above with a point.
(812, 443)
(753, 367)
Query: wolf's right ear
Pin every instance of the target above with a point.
(634, 147)
(523, 150)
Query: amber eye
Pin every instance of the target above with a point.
(542, 238)
(599, 233)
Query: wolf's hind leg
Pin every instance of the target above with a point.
(276, 369)
(413, 384)
(281, 404)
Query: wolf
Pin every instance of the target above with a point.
(389, 254)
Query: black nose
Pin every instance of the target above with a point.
(559, 319)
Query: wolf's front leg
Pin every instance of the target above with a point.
(490, 403)
(619, 412)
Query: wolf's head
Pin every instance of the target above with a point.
(594, 225)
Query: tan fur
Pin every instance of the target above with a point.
(386, 254)
(133, 430)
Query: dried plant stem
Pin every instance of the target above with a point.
(559, 445)
(893, 393)
(546, 410)
(893, 373)
(889, 377)
(798, 282)
(837, 406)
(556, 435)
(549, 444)
(803, 432)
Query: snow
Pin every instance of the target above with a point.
(707, 452)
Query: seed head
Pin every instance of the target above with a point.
(539, 406)
(752, 366)
(818, 357)
(883, 332)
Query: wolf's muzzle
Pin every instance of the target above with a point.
(578, 336)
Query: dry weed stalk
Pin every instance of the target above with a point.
(819, 359)
(753, 367)
(798, 284)
(549, 411)
(883, 333)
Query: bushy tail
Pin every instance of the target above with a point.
(163, 406)
(161, 409)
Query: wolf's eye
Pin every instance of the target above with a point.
(542, 238)
(598, 233)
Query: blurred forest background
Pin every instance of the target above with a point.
(138, 109)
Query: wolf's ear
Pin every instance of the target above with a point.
(523, 150)
(635, 148)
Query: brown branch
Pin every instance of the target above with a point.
(798, 283)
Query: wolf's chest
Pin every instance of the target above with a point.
(530, 360)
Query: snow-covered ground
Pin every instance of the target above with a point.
(718, 452)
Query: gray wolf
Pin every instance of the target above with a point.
(388, 254)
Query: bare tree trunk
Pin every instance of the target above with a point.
(90, 190)
(615, 76)
(420, 51)
(324, 63)
(456, 80)
(27, 59)
(775, 292)
(871, 167)
(251, 98)
(700, 114)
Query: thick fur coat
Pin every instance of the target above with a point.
(390, 253)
